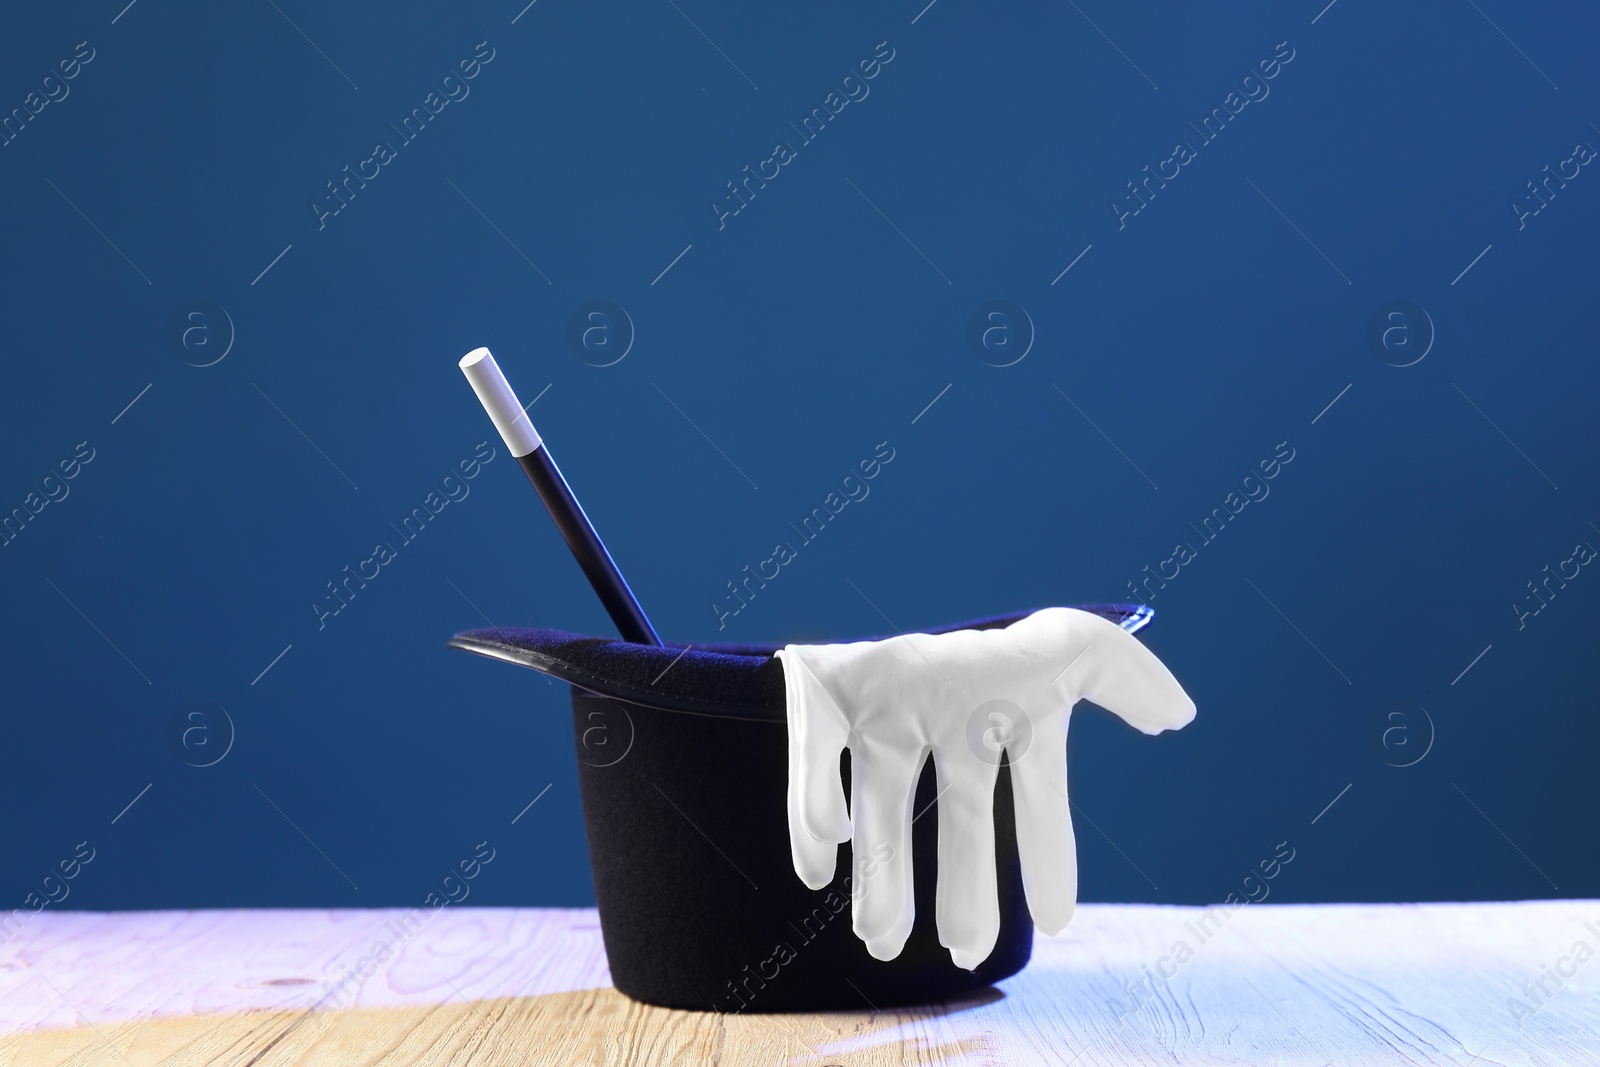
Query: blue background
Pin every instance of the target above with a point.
(822, 319)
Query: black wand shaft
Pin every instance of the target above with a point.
(587, 548)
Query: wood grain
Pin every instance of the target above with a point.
(1313, 985)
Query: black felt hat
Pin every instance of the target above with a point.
(683, 768)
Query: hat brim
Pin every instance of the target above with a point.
(727, 680)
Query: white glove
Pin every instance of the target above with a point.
(962, 696)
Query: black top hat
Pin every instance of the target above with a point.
(683, 770)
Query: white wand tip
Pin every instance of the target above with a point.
(497, 398)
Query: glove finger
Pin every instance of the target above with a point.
(1045, 842)
(882, 786)
(814, 861)
(968, 904)
(1116, 671)
(818, 731)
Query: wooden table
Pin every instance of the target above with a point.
(1384, 984)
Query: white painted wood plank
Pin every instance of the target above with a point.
(1268, 984)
